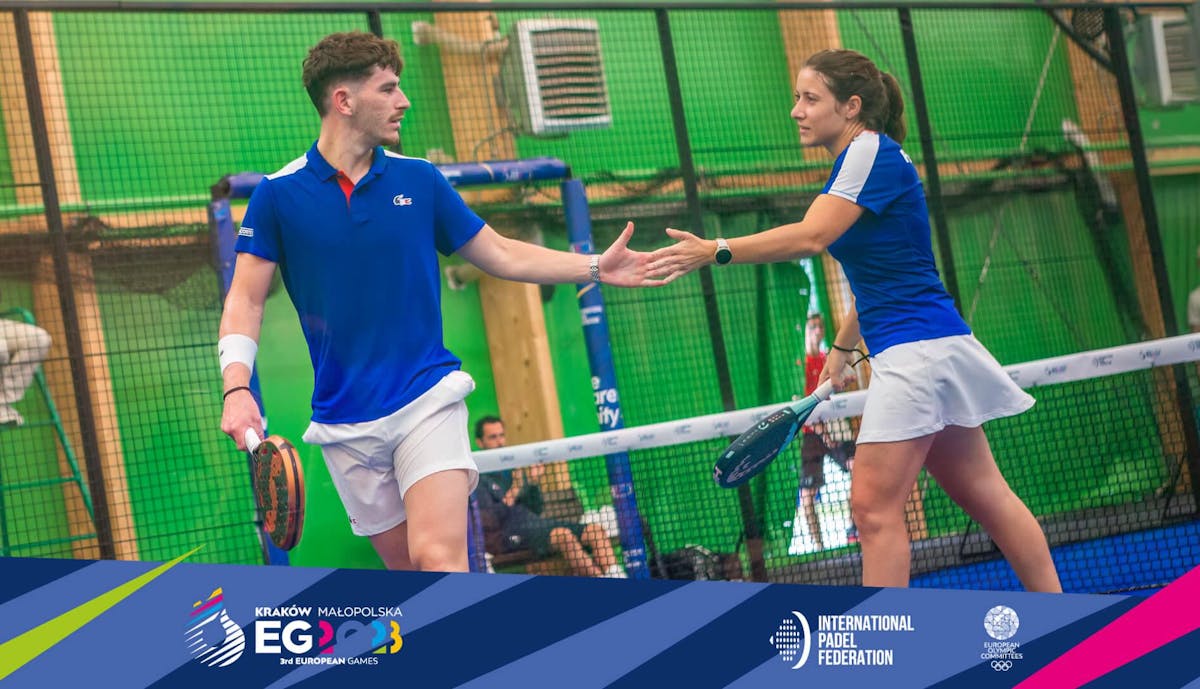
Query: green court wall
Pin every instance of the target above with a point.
(196, 120)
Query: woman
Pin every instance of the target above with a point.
(933, 385)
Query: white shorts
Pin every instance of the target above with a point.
(374, 463)
(919, 388)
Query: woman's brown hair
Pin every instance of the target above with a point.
(848, 73)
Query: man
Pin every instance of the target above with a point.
(1193, 305)
(510, 505)
(817, 442)
(22, 347)
(354, 230)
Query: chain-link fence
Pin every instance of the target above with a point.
(1061, 171)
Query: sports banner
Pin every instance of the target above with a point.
(70, 623)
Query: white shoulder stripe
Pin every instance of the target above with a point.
(856, 167)
(392, 154)
(291, 168)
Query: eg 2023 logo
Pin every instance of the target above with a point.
(210, 621)
(216, 640)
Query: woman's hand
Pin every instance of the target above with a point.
(688, 253)
(838, 369)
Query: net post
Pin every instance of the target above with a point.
(222, 238)
(604, 378)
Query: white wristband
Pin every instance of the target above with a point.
(594, 268)
(237, 349)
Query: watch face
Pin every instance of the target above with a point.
(724, 256)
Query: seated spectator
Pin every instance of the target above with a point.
(510, 507)
(22, 347)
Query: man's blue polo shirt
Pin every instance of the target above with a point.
(363, 275)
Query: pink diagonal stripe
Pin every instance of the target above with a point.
(1154, 623)
(211, 602)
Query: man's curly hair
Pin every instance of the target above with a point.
(351, 55)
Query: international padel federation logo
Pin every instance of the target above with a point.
(792, 639)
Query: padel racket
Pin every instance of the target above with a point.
(754, 449)
(278, 488)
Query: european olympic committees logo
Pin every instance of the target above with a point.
(792, 640)
(1001, 623)
(212, 637)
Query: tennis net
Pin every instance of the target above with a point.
(1101, 460)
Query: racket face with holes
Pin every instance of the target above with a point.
(279, 491)
(753, 450)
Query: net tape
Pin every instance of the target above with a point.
(1052, 371)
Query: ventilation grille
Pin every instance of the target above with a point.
(1167, 59)
(553, 77)
(1179, 43)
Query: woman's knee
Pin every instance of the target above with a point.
(872, 515)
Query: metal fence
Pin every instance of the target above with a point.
(1061, 180)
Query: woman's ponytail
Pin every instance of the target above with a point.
(893, 116)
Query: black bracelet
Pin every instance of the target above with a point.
(862, 356)
(232, 390)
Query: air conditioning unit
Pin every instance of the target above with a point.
(1168, 59)
(553, 78)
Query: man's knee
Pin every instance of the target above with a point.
(561, 537)
(40, 342)
(437, 557)
(594, 532)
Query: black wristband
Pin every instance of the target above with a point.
(844, 349)
(232, 390)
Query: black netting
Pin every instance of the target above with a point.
(1050, 236)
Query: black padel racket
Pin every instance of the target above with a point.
(753, 450)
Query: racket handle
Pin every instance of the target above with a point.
(252, 441)
(824, 390)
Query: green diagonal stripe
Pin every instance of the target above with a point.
(18, 651)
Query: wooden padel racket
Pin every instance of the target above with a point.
(278, 488)
(753, 450)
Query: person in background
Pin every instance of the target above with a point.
(23, 347)
(510, 505)
(1193, 305)
(818, 441)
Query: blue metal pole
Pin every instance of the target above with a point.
(224, 236)
(604, 384)
(504, 171)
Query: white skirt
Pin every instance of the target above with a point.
(919, 388)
